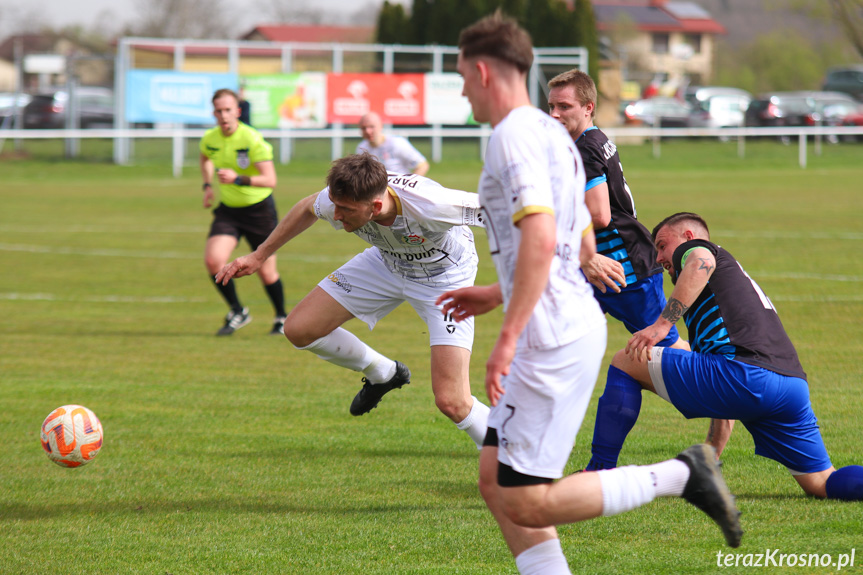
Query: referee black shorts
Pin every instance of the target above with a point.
(254, 222)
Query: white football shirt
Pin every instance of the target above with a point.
(396, 154)
(429, 241)
(532, 166)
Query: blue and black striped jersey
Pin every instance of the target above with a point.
(733, 317)
(625, 239)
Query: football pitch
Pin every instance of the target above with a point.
(238, 455)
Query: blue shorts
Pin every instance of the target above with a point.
(637, 305)
(774, 408)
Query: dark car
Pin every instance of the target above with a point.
(95, 109)
(779, 109)
(658, 111)
(847, 79)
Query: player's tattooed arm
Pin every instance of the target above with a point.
(674, 310)
(706, 264)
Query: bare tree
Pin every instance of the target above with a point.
(847, 14)
(290, 12)
(185, 19)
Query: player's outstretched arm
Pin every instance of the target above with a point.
(470, 301)
(296, 221)
(693, 279)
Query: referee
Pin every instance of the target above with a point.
(242, 161)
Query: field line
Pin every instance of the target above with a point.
(59, 250)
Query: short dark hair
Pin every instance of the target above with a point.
(500, 37)
(585, 87)
(225, 92)
(358, 178)
(675, 219)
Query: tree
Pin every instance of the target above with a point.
(393, 24)
(185, 19)
(848, 14)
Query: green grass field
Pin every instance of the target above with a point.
(238, 455)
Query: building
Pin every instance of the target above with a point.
(662, 45)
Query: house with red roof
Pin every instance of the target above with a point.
(659, 41)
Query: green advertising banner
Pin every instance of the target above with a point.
(297, 100)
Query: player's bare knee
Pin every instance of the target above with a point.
(524, 512)
(296, 333)
(453, 406)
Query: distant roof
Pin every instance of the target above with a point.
(294, 33)
(656, 16)
(30, 43)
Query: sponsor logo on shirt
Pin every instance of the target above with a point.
(413, 239)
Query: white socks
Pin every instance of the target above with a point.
(629, 487)
(342, 348)
(476, 422)
(545, 558)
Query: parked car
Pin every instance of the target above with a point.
(95, 109)
(7, 107)
(847, 79)
(658, 111)
(779, 109)
(855, 119)
(718, 106)
(830, 108)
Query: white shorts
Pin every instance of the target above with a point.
(547, 394)
(366, 288)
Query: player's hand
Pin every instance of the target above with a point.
(226, 175)
(641, 343)
(208, 197)
(244, 266)
(470, 301)
(604, 273)
(496, 367)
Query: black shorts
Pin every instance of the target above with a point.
(255, 222)
(506, 475)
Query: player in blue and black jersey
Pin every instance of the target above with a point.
(626, 280)
(742, 366)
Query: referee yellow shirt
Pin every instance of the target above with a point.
(240, 152)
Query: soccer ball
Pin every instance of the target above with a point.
(71, 435)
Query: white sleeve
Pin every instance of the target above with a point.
(409, 155)
(325, 210)
(524, 174)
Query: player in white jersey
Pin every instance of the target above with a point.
(421, 247)
(396, 153)
(544, 365)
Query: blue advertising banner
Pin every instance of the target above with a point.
(168, 96)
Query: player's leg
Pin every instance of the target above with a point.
(362, 288)
(617, 410)
(217, 252)
(262, 219)
(451, 345)
(272, 283)
(536, 550)
(450, 375)
(636, 306)
(693, 475)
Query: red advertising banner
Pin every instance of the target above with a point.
(398, 98)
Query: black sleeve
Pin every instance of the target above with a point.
(677, 258)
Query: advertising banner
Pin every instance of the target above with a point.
(444, 103)
(168, 96)
(398, 98)
(297, 100)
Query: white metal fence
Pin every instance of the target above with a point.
(337, 135)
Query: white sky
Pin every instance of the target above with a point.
(58, 13)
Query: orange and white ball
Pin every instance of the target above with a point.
(71, 435)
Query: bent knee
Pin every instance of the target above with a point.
(454, 406)
(297, 334)
(525, 513)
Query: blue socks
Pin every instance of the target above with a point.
(846, 483)
(616, 413)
